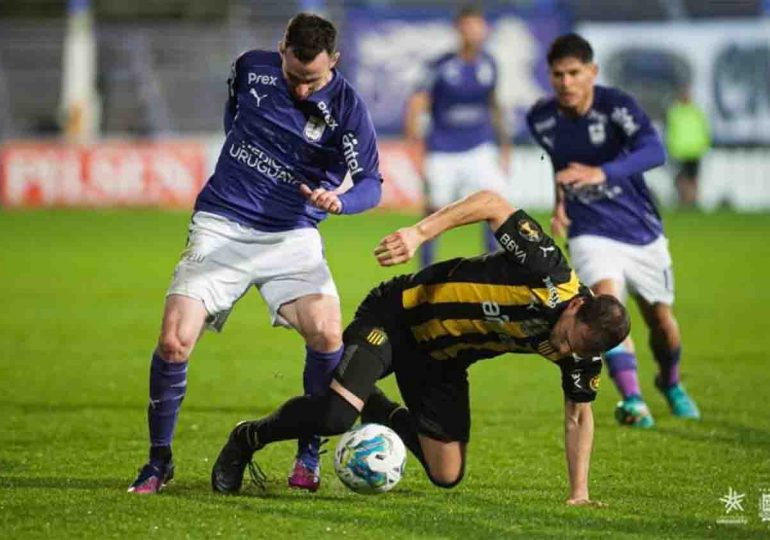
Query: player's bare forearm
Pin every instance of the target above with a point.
(501, 134)
(484, 205)
(579, 436)
(416, 108)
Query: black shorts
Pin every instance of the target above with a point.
(435, 391)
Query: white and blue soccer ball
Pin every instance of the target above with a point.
(370, 459)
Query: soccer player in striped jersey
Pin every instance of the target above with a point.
(428, 328)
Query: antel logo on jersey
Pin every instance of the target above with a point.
(328, 118)
(349, 144)
(267, 80)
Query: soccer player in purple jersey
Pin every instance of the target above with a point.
(294, 129)
(600, 143)
(457, 91)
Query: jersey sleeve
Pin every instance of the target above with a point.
(231, 105)
(644, 149)
(526, 244)
(358, 146)
(580, 378)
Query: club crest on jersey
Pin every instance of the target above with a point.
(314, 128)
(594, 384)
(529, 230)
(376, 337)
(597, 134)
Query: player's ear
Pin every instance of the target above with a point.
(594, 67)
(281, 48)
(334, 59)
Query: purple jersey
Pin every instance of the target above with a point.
(275, 142)
(460, 93)
(617, 135)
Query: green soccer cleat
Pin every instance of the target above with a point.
(682, 405)
(633, 412)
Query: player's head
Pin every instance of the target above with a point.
(308, 53)
(471, 27)
(589, 326)
(572, 71)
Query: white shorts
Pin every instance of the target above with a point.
(223, 259)
(453, 175)
(644, 270)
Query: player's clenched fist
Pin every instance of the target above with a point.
(322, 198)
(398, 247)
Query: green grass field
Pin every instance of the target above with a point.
(82, 294)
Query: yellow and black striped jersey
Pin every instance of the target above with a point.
(480, 307)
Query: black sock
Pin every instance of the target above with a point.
(301, 417)
(381, 410)
(378, 408)
(401, 422)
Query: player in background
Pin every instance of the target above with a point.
(600, 143)
(458, 156)
(294, 128)
(429, 327)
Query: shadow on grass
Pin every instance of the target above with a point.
(47, 482)
(47, 407)
(720, 431)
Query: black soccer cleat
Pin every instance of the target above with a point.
(235, 456)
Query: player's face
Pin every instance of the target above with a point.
(473, 31)
(570, 336)
(305, 78)
(573, 81)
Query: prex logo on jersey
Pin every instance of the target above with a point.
(268, 80)
(328, 118)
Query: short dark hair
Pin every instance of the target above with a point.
(607, 320)
(308, 35)
(570, 46)
(469, 11)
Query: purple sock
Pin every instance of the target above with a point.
(490, 241)
(316, 378)
(622, 367)
(168, 383)
(427, 253)
(668, 364)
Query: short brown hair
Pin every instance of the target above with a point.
(308, 35)
(607, 320)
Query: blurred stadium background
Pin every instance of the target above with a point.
(121, 105)
(142, 84)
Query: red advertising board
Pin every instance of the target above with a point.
(167, 174)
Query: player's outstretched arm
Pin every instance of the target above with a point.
(485, 205)
(578, 438)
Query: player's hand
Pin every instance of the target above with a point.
(585, 502)
(559, 221)
(322, 198)
(578, 175)
(398, 247)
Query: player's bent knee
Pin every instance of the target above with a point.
(446, 479)
(325, 340)
(340, 416)
(172, 349)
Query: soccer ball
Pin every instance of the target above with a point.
(370, 459)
